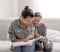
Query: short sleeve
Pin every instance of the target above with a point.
(11, 33)
(44, 30)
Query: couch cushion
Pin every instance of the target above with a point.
(53, 35)
(4, 24)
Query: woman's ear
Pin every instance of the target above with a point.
(21, 17)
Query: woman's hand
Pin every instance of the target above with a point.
(30, 37)
(37, 36)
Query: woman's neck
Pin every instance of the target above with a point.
(22, 23)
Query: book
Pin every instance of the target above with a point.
(28, 43)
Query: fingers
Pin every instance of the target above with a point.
(30, 36)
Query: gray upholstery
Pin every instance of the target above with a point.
(4, 23)
(3, 29)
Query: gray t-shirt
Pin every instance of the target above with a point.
(42, 29)
(16, 30)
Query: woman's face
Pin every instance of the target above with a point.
(27, 20)
(37, 21)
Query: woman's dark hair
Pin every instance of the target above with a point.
(27, 12)
(37, 14)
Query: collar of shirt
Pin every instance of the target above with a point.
(18, 23)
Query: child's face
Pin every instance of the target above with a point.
(37, 21)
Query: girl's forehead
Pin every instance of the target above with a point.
(36, 17)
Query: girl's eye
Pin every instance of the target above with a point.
(34, 20)
(28, 20)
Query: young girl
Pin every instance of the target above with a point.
(41, 29)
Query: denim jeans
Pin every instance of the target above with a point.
(47, 47)
(24, 48)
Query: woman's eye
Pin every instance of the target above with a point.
(38, 20)
(28, 20)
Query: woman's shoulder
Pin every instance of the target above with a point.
(14, 22)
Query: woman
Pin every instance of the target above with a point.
(41, 29)
(19, 31)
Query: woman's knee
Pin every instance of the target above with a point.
(16, 49)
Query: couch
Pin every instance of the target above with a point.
(51, 34)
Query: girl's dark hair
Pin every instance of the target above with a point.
(27, 12)
(37, 14)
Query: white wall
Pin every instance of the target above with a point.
(48, 8)
(8, 8)
(22, 4)
(14, 8)
(5, 8)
